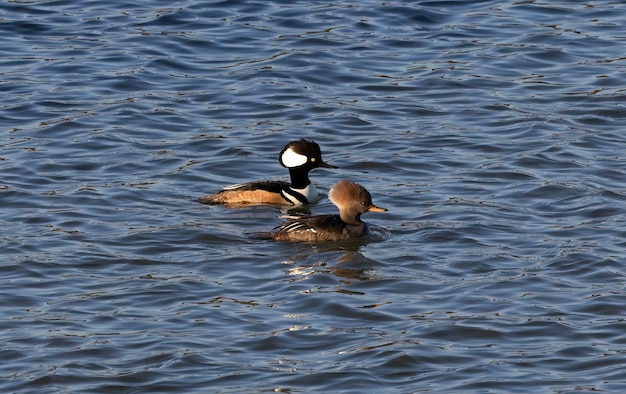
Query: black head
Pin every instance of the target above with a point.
(302, 154)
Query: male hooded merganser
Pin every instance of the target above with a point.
(352, 200)
(299, 157)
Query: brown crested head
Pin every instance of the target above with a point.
(352, 199)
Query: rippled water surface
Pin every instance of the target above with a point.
(492, 131)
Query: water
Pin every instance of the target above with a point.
(492, 131)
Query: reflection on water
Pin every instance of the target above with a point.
(349, 265)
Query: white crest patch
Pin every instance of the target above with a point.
(293, 159)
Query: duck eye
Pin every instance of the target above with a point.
(312, 159)
(362, 202)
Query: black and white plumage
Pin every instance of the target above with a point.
(299, 157)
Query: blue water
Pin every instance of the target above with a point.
(492, 131)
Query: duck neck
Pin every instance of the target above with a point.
(350, 218)
(299, 177)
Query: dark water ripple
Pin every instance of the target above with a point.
(491, 130)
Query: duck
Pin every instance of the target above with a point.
(352, 199)
(299, 157)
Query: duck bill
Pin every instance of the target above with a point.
(323, 164)
(374, 208)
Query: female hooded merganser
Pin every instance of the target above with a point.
(352, 200)
(299, 157)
